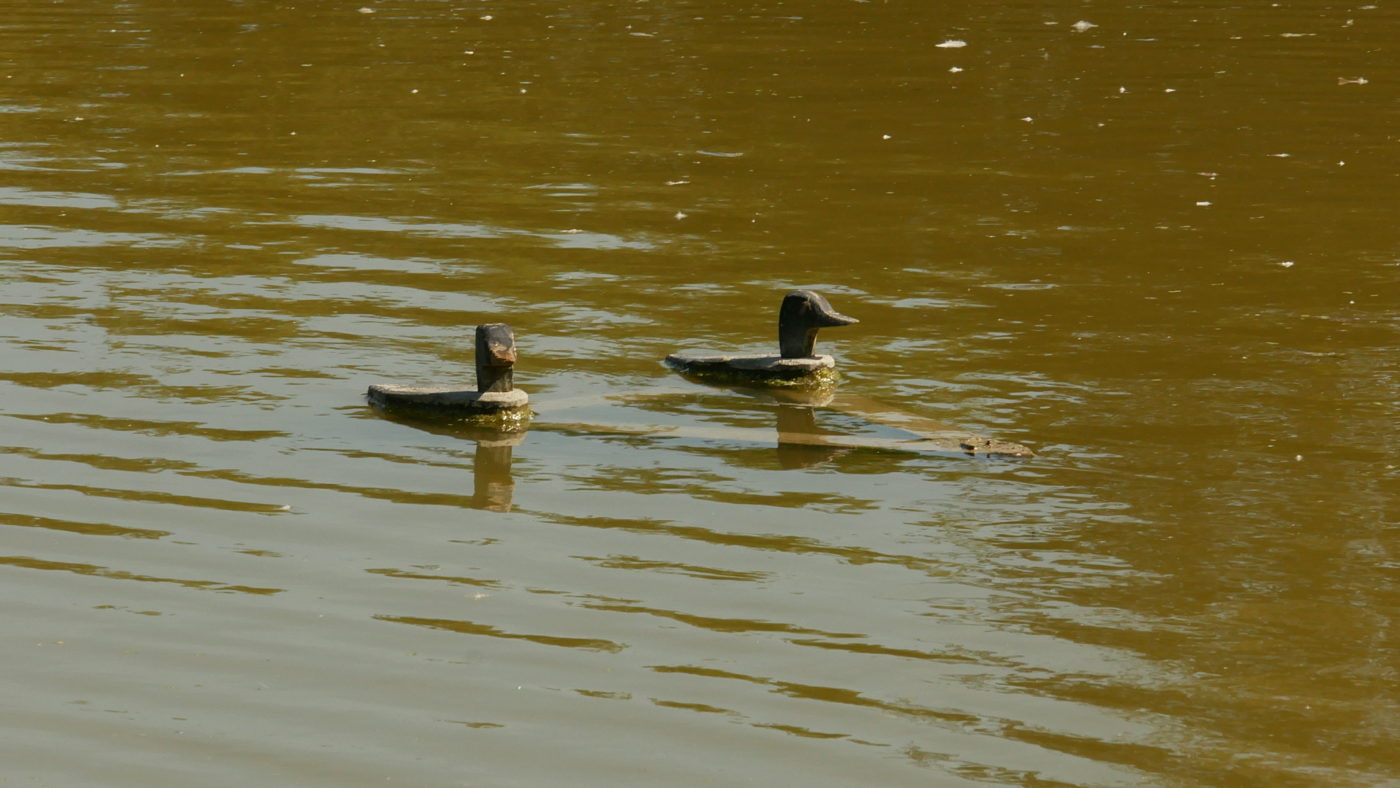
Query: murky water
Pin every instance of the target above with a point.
(1156, 243)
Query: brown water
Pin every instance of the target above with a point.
(1161, 250)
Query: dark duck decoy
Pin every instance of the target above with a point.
(803, 313)
(495, 394)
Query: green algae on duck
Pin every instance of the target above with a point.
(802, 314)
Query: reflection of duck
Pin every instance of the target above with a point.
(492, 485)
(803, 313)
(495, 395)
(797, 435)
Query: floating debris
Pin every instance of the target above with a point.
(951, 43)
(1287, 263)
(1082, 26)
(1353, 81)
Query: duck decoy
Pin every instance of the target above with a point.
(802, 314)
(495, 395)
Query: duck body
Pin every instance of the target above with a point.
(495, 397)
(447, 396)
(802, 314)
(772, 371)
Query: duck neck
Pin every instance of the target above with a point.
(797, 328)
(796, 340)
(490, 378)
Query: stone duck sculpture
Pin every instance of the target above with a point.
(802, 314)
(495, 393)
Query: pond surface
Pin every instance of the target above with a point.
(1156, 243)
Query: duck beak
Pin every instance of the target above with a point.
(830, 318)
(826, 317)
(500, 354)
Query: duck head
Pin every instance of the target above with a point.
(803, 312)
(495, 357)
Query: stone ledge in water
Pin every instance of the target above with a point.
(976, 444)
(452, 401)
(810, 372)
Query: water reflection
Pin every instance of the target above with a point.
(813, 426)
(94, 570)
(493, 487)
(801, 420)
(802, 442)
(474, 628)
